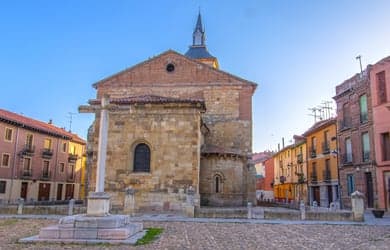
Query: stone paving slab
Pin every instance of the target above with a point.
(130, 241)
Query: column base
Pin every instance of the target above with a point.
(98, 204)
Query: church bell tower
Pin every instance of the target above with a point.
(198, 49)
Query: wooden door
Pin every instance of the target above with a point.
(59, 192)
(69, 191)
(44, 192)
(23, 190)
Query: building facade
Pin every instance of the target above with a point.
(357, 167)
(38, 160)
(291, 172)
(264, 166)
(180, 124)
(380, 88)
(322, 162)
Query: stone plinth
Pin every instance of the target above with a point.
(91, 229)
(357, 200)
(98, 204)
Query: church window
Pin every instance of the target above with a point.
(218, 183)
(142, 158)
(170, 67)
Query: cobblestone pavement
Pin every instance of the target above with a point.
(195, 235)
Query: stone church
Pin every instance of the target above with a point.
(182, 124)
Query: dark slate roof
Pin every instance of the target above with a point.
(198, 52)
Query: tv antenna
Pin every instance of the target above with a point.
(70, 120)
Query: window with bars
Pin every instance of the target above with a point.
(141, 158)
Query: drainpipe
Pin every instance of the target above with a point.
(14, 163)
(55, 170)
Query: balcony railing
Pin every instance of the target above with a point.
(325, 147)
(45, 175)
(47, 153)
(72, 158)
(346, 159)
(313, 178)
(326, 175)
(345, 123)
(28, 150)
(26, 173)
(300, 158)
(366, 156)
(313, 152)
(363, 117)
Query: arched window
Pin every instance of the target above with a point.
(217, 183)
(141, 158)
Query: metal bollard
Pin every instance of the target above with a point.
(249, 210)
(20, 205)
(71, 205)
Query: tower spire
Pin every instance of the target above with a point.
(198, 35)
(198, 50)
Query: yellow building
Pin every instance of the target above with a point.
(323, 182)
(77, 168)
(290, 172)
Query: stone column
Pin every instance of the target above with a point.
(99, 201)
(302, 208)
(20, 206)
(357, 200)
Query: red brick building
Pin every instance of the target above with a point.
(39, 161)
(380, 89)
(357, 168)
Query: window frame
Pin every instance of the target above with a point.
(147, 159)
(11, 134)
(363, 113)
(364, 149)
(8, 162)
(3, 187)
(350, 184)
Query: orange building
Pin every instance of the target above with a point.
(322, 164)
(290, 172)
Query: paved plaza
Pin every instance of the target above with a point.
(187, 233)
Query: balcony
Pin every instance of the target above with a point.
(26, 174)
(366, 156)
(346, 159)
(45, 175)
(301, 178)
(325, 147)
(345, 123)
(28, 150)
(313, 152)
(363, 117)
(299, 158)
(47, 153)
(327, 176)
(313, 178)
(72, 158)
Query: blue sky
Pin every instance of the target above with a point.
(51, 52)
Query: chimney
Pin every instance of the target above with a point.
(282, 142)
(50, 121)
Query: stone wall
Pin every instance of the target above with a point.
(173, 136)
(235, 185)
